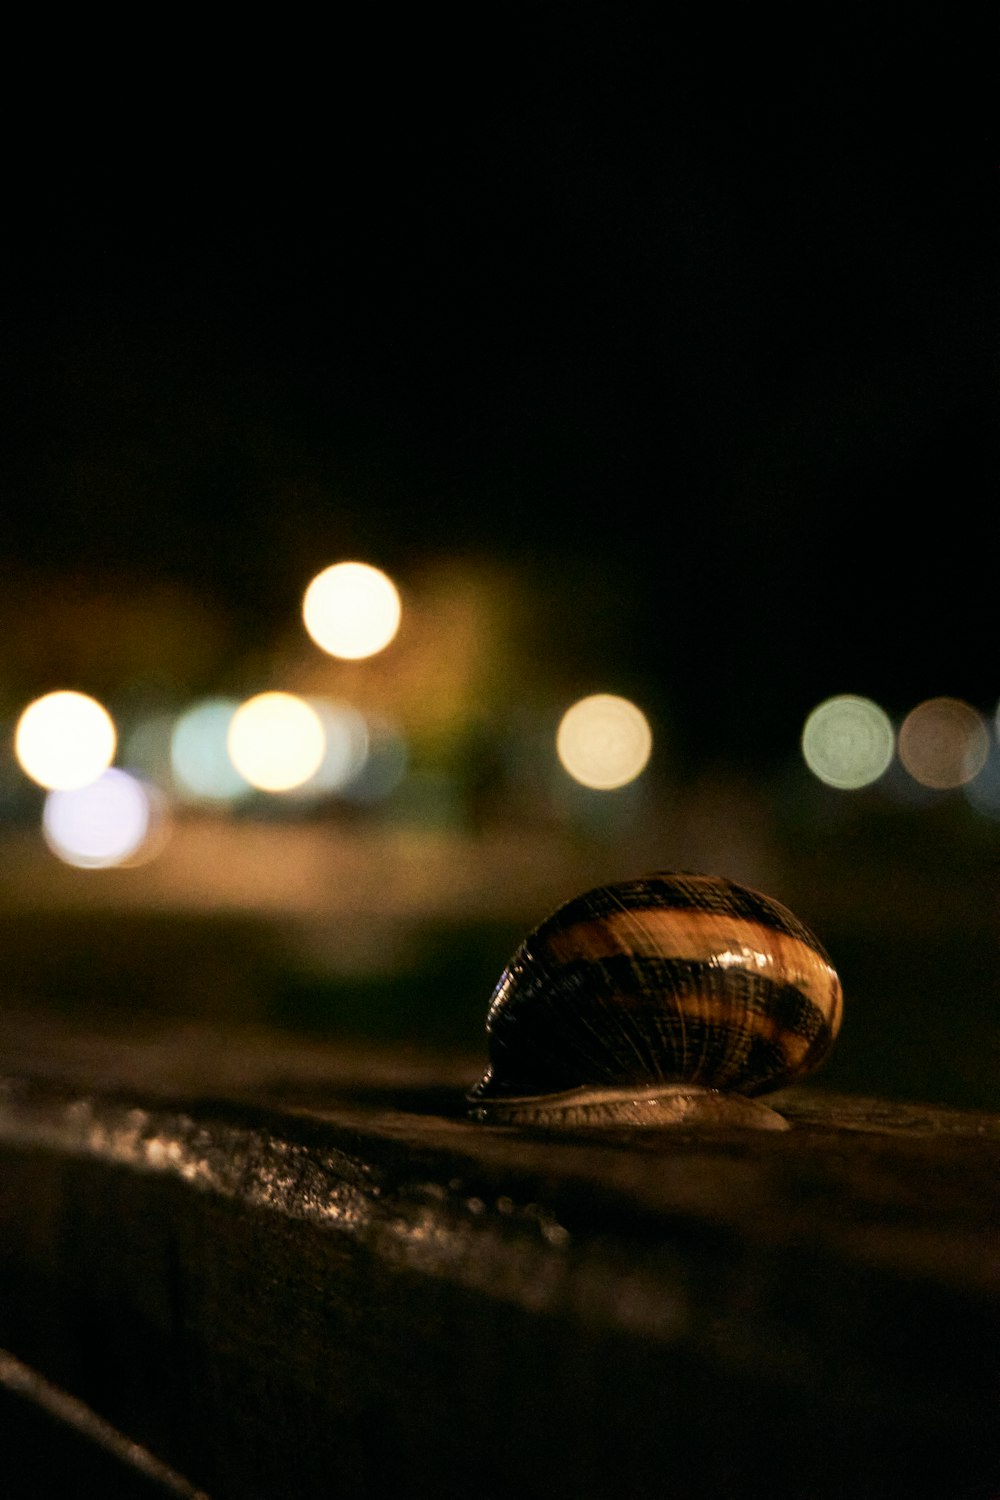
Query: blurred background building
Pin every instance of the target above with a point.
(643, 389)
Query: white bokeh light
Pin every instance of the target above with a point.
(604, 741)
(848, 742)
(99, 825)
(352, 610)
(64, 740)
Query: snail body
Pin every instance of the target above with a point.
(673, 998)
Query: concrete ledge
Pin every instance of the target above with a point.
(317, 1278)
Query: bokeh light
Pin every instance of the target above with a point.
(64, 740)
(199, 752)
(346, 749)
(352, 610)
(848, 742)
(943, 743)
(385, 766)
(604, 741)
(276, 741)
(101, 824)
(983, 791)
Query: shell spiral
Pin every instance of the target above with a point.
(670, 979)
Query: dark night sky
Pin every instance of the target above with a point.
(709, 312)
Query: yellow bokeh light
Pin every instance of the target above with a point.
(276, 741)
(65, 740)
(352, 610)
(943, 743)
(848, 742)
(604, 741)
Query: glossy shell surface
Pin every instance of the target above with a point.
(664, 980)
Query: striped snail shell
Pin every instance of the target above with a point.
(673, 998)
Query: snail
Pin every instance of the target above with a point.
(668, 999)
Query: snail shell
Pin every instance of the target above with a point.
(670, 998)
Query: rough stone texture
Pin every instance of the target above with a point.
(290, 1269)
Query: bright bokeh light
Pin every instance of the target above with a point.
(276, 741)
(352, 610)
(199, 752)
(848, 742)
(604, 741)
(99, 825)
(64, 740)
(943, 743)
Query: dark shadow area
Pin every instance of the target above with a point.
(44, 1458)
